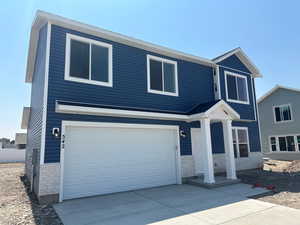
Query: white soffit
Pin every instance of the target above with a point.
(244, 59)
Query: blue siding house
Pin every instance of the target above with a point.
(110, 113)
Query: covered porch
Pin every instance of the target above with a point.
(202, 142)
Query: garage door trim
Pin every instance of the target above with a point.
(66, 123)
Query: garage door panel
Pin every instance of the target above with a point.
(106, 160)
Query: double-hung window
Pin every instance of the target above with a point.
(285, 143)
(88, 61)
(236, 88)
(282, 113)
(162, 76)
(240, 142)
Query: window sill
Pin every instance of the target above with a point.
(289, 152)
(285, 121)
(239, 102)
(99, 83)
(163, 93)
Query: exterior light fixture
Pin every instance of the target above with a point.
(182, 133)
(55, 132)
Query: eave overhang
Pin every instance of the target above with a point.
(221, 106)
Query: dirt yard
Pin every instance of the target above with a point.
(17, 205)
(282, 177)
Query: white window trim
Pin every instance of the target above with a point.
(247, 91)
(148, 75)
(237, 141)
(297, 149)
(283, 121)
(88, 41)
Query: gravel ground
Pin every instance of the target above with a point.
(283, 177)
(17, 205)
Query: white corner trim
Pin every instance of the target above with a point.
(226, 88)
(253, 99)
(70, 37)
(218, 81)
(67, 123)
(45, 100)
(162, 60)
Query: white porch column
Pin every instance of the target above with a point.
(209, 176)
(229, 153)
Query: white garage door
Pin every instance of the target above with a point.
(101, 160)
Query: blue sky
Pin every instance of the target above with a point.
(268, 31)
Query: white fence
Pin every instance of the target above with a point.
(12, 155)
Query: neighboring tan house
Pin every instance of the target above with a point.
(20, 140)
(279, 112)
(110, 113)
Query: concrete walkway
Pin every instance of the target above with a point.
(177, 205)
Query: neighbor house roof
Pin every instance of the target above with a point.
(44, 17)
(244, 59)
(275, 89)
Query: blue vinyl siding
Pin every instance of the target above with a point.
(195, 85)
(246, 111)
(195, 81)
(234, 63)
(217, 137)
(54, 120)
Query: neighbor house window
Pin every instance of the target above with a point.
(236, 88)
(162, 76)
(88, 61)
(240, 142)
(288, 143)
(273, 143)
(282, 113)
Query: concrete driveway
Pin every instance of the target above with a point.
(177, 205)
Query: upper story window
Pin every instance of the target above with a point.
(88, 61)
(282, 113)
(162, 76)
(236, 88)
(240, 142)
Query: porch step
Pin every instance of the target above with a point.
(220, 182)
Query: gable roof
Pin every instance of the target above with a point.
(275, 89)
(43, 18)
(244, 59)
